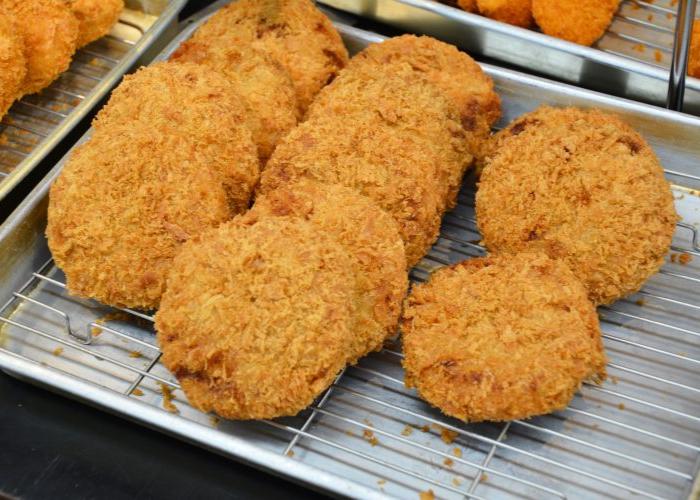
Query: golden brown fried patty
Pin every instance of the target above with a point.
(13, 66)
(501, 338)
(391, 166)
(143, 185)
(371, 238)
(515, 12)
(49, 31)
(267, 89)
(578, 21)
(694, 57)
(584, 187)
(293, 32)
(257, 318)
(96, 17)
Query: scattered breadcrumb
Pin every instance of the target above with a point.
(370, 437)
(427, 495)
(137, 392)
(168, 397)
(135, 354)
(621, 406)
(484, 477)
(407, 431)
(58, 351)
(669, 15)
(684, 258)
(448, 462)
(658, 56)
(456, 481)
(290, 453)
(640, 302)
(349, 432)
(214, 420)
(425, 428)
(367, 422)
(457, 452)
(381, 482)
(650, 17)
(448, 436)
(640, 47)
(614, 379)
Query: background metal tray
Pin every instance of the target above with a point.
(631, 60)
(638, 435)
(39, 122)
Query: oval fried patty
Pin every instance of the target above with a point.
(13, 65)
(501, 338)
(584, 187)
(578, 21)
(257, 317)
(515, 12)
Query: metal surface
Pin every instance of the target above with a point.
(631, 60)
(39, 122)
(681, 50)
(638, 435)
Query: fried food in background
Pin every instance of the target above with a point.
(266, 87)
(694, 57)
(293, 32)
(578, 21)
(501, 338)
(189, 101)
(96, 17)
(257, 318)
(13, 66)
(371, 238)
(583, 187)
(466, 5)
(49, 31)
(515, 12)
(171, 166)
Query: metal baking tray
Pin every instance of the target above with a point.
(631, 60)
(638, 435)
(37, 123)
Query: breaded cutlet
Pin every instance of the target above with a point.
(515, 12)
(578, 21)
(96, 18)
(13, 65)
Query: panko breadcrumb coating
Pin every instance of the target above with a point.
(49, 31)
(144, 184)
(694, 57)
(96, 18)
(293, 32)
(183, 99)
(515, 12)
(501, 338)
(257, 317)
(578, 21)
(374, 156)
(13, 66)
(584, 187)
(267, 89)
(371, 238)
(467, 5)
(404, 103)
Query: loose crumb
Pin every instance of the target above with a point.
(650, 17)
(669, 16)
(426, 495)
(448, 436)
(448, 462)
(367, 422)
(614, 379)
(370, 437)
(349, 432)
(137, 392)
(168, 398)
(484, 477)
(381, 482)
(407, 431)
(425, 428)
(621, 406)
(58, 351)
(135, 354)
(640, 302)
(457, 452)
(456, 481)
(290, 453)
(214, 420)
(658, 56)
(684, 258)
(640, 47)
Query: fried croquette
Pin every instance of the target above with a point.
(13, 66)
(49, 31)
(578, 21)
(257, 317)
(371, 238)
(267, 89)
(467, 5)
(501, 338)
(694, 57)
(584, 187)
(293, 32)
(182, 99)
(96, 18)
(404, 103)
(366, 153)
(515, 12)
(144, 184)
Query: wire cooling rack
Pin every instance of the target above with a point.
(636, 435)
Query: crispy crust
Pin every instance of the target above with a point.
(13, 67)
(578, 21)
(142, 185)
(49, 31)
(694, 58)
(584, 187)
(267, 88)
(96, 18)
(501, 338)
(257, 317)
(293, 32)
(515, 12)
(371, 238)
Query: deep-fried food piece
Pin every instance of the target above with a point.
(181, 99)
(370, 236)
(501, 338)
(13, 67)
(267, 89)
(515, 12)
(96, 17)
(584, 187)
(402, 102)
(294, 32)
(466, 5)
(373, 155)
(578, 21)
(694, 58)
(49, 31)
(144, 184)
(257, 317)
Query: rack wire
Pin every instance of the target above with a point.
(636, 435)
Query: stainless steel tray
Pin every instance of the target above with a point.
(38, 123)
(369, 437)
(631, 60)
